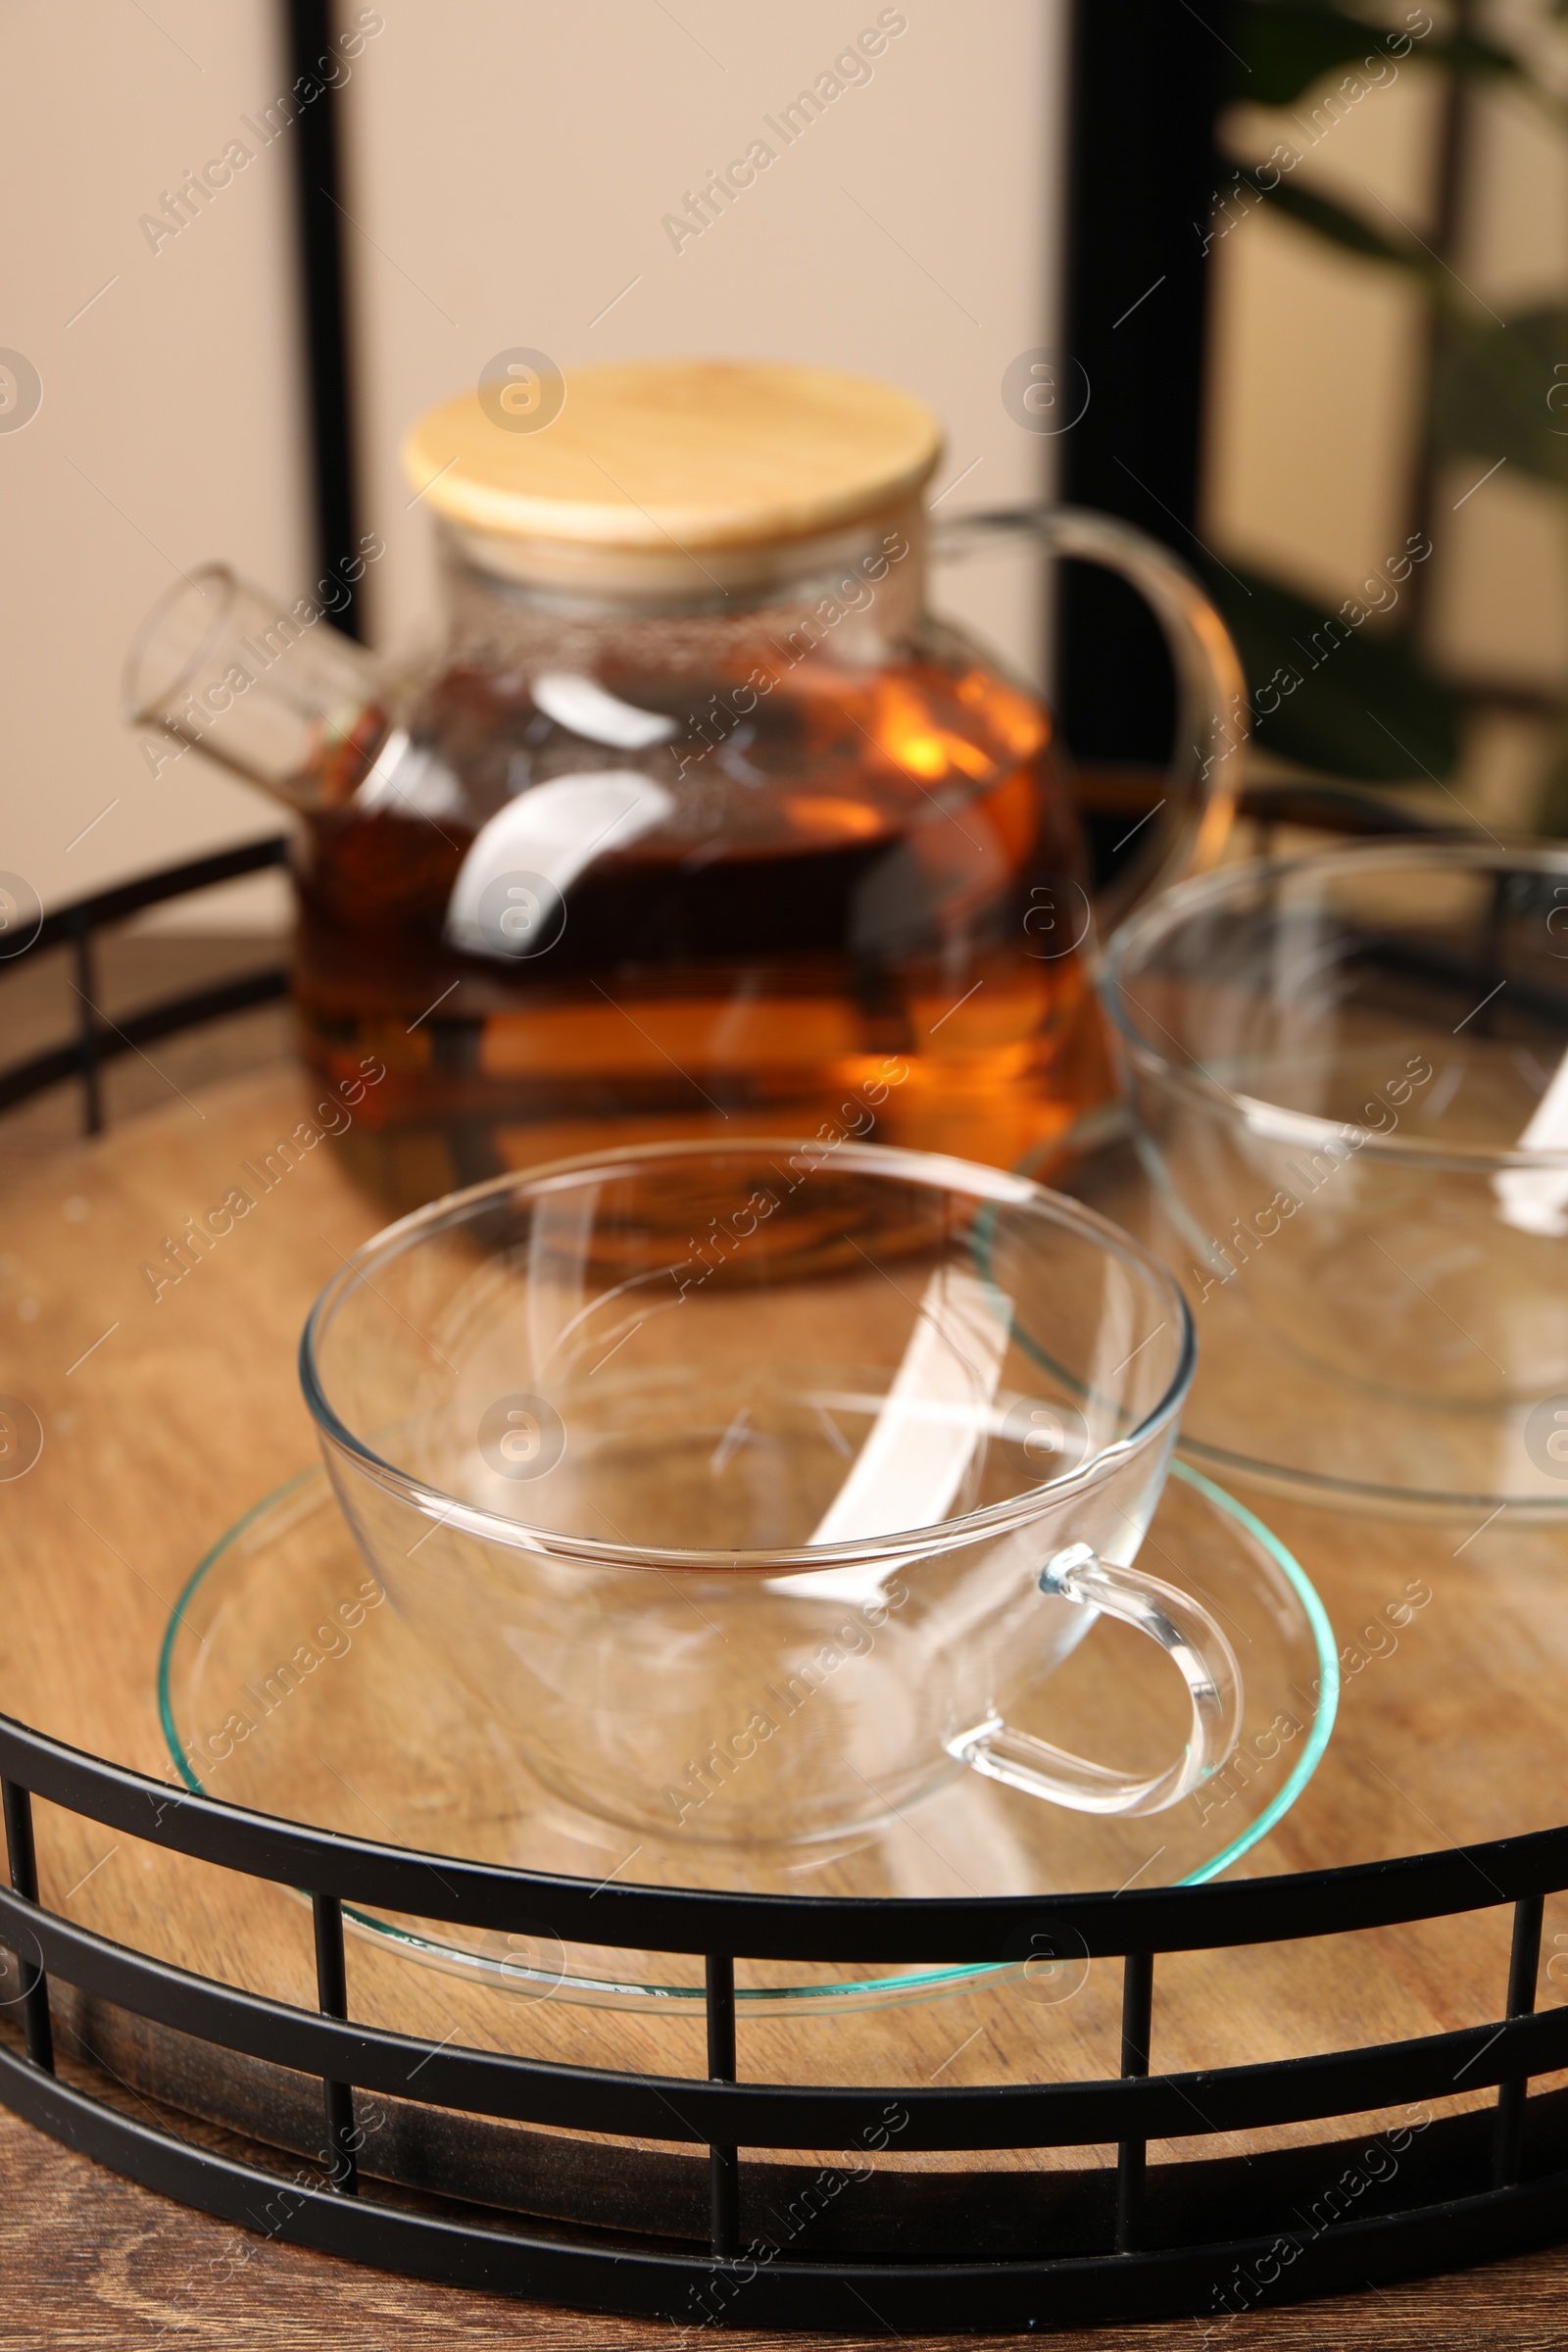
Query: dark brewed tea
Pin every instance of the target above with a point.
(698, 822)
(858, 882)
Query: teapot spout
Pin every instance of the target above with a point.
(267, 687)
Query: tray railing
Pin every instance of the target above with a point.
(1136, 2244)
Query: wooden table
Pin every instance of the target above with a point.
(166, 1417)
(93, 2264)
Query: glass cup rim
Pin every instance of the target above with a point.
(1154, 923)
(938, 1169)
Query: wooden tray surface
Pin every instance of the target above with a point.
(166, 1419)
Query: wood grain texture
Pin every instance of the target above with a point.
(92, 2264)
(165, 1418)
(706, 453)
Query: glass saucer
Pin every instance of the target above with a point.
(1262, 1413)
(288, 1684)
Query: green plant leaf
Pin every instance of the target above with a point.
(1354, 233)
(1283, 46)
(1503, 394)
(1363, 705)
(1339, 225)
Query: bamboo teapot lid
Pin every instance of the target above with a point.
(625, 474)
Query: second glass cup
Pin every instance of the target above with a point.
(750, 1485)
(1350, 1075)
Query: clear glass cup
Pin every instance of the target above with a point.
(1349, 1074)
(750, 1485)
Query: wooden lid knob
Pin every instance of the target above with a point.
(656, 454)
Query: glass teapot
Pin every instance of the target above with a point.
(698, 820)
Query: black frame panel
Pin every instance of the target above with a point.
(1146, 81)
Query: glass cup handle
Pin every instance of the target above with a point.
(1211, 702)
(1190, 1637)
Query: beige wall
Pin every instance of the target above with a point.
(169, 422)
(907, 233)
(509, 163)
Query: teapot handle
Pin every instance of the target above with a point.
(1211, 684)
